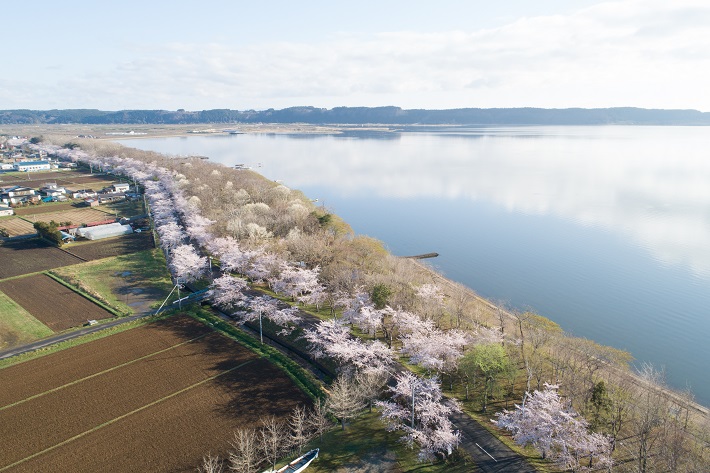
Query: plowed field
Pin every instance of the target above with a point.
(15, 226)
(29, 256)
(53, 304)
(112, 247)
(155, 398)
(75, 216)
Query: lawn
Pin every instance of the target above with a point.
(17, 326)
(128, 283)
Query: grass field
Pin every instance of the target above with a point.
(122, 282)
(17, 326)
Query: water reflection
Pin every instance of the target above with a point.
(648, 184)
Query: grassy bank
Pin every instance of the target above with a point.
(17, 326)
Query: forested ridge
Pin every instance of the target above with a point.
(361, 115)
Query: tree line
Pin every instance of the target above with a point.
(363, 115)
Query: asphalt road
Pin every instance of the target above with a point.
(66, 336)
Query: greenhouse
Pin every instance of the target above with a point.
(104, 231)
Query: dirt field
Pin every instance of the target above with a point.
(53, 304)
(44, 208)
(29, 256)
(75, 216)
(70, 179)
(15, 226)
(155, 398)
(111, 246)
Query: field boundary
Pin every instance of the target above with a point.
(293, 370)
(123, 416)
(80, 339)
(85, 295)
(107, 370)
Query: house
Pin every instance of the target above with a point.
(120, 187)
(83, 194)
(52, 191)
(33, 166)
(4, 211)
(17, 194)
(111, 197)
(6, 166)
(91, 202)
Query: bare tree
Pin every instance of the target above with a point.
(273, 439)
(244, 457)
(371, 383)
(211, 464)
(650, 409)
(299, 428)
(345, 399)
(318, 421)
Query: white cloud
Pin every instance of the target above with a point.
(641, 53)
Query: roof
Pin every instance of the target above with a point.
(33, 163)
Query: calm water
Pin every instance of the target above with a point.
(605, 230)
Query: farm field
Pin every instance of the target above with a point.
(44, 208)
(53, 304)
(92, 250)
(32, 255)
(131, 282)
(17, 326)
(71, 179)
(15, 226)
(75, 216)
(153, 398)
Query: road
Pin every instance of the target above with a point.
(62, 337)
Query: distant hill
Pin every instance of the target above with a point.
(360, 115)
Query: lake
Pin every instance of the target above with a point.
(605, 230)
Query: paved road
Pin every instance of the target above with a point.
(66, 336)
(489, 453)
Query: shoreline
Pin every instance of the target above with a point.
(159, 131)
(699, 409)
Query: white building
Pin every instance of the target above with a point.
(32, 166)
(5, 211)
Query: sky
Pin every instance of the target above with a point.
(207, 54)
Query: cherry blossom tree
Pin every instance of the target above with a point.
(227, 291)
(558, 432)
(416, 408)
(431, 299)
(294, 282)
(187, 264)
(266, 306)
(435, 350)
(171, 235)
(331, 338)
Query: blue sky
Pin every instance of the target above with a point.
(414, 54)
